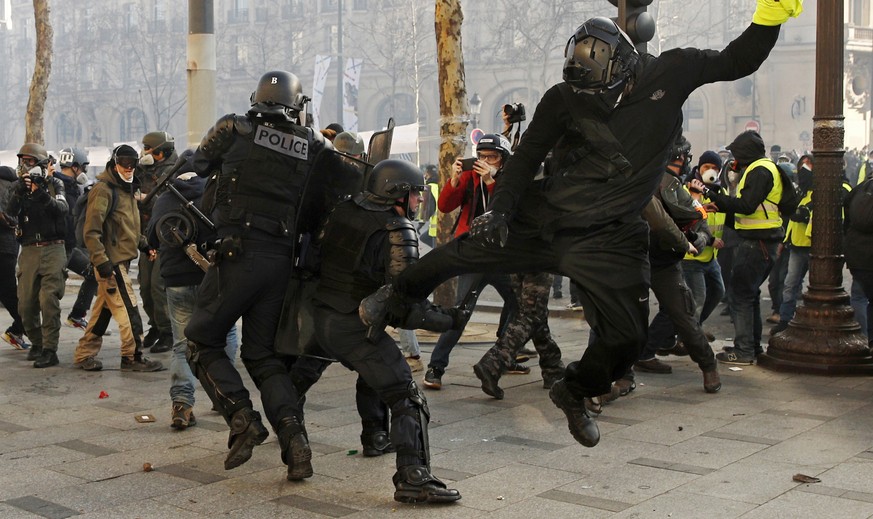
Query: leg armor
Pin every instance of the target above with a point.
(219, 379)
(409, 419)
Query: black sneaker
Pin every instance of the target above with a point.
(140, 364)
(433, 378)
(34, 352)
(150, 338)
(163, 344)
(47, 358)
(731, 357)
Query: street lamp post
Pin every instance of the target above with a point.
(823, 337)
(475, 108)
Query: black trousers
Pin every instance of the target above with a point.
(9, 291)
(251, 287)
(676, 315)
(381, 367)
(610, 264)
(87, 291)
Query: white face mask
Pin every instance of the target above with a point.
(147, 159)
(82, 179)
(709, 176)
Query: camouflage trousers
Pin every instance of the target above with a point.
(530, 323)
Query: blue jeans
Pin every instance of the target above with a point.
(753, 260)
(707, 287)
(180, 305)
(447, 340)
(798, 266)
(408, 343)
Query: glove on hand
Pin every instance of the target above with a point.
(105, 269)
(802, 215)
(776, 12)
(490, 229)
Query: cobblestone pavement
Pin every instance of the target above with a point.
(668, 449)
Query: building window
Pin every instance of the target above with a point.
(69, 131)
(239, 13)
(402, 108)
(693, 113)
(132, 125)
(328, 6)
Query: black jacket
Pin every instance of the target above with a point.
(41, 213)
(8, 244)
(177, 269)
(858, 226)
(72, 192)
(646, 123)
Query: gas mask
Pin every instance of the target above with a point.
(147, 159)
(733, 176)
(82, 178)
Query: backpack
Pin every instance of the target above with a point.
(858, 208)
(791, 196)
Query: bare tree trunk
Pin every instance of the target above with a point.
(453, 110)
(34, 125)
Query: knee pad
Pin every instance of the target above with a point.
(262, 370)
(199, 357)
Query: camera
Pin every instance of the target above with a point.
(38, 176)
(514, 112)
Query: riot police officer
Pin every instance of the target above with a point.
(367, 241)
(260, 161)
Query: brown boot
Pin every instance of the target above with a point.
(711, 381)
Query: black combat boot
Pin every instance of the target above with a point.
(376, 443)
(488, 370)
(583, 428)
(295, 448)
(415, 484)
(246, 431)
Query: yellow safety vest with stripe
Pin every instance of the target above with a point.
(432, 221)
(862, 173)
(847, 188)
(715, 221)
(797, 233)
(766, 215)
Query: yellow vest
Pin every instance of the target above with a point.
(432, 222)
(798, 233)
(715, 221)
(766, 215)
(862, 173)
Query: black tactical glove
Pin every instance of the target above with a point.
(105, 269)
(802, 215)
(490, 228)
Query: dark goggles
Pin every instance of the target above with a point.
(126, 162)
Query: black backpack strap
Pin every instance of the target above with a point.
(596, 133)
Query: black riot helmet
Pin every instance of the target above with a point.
(599, 57)
(278, 92)
(70, 157)
(391, 181)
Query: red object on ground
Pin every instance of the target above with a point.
(103, 394)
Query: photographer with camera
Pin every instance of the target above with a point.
(39, 202)
(469, 188)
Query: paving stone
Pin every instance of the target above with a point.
(817, 448)
(854, 475)
(679, 505)
(514, 483)
(669, 429)
(804, 504)
(41, 507)
(553, 503)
